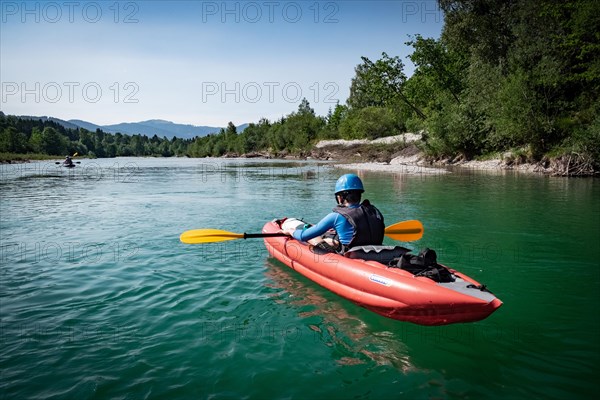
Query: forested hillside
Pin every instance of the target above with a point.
(23, 136)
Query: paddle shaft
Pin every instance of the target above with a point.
(262, 235)
(403, 231)
(278, 234)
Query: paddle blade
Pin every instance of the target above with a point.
(405, 231)
(197, 236)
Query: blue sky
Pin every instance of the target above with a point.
(195, 62)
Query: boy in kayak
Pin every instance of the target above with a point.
(351, 223)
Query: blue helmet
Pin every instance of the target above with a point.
(348, 182)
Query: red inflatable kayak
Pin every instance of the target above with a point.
(363, 276)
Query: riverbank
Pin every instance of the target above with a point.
(403, 154)
(397, 154)
(16, 158)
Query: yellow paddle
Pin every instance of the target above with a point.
(197, 236)
(405, 231)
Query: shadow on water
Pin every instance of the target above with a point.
(351, 340)
(30, 177)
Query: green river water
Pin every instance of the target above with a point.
(100, 300)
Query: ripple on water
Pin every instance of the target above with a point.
(99, 299)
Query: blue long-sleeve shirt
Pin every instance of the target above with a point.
(333, 220)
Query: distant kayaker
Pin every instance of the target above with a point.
(351, 223)
(68, 162)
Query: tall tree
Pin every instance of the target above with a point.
(444, 68)
(379, 84)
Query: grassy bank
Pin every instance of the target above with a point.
(8, 158)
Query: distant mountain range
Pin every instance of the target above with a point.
(150, 128)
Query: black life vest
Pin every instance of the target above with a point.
(367, 222)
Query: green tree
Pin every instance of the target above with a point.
(230, 138)
(137, 145)
(379, 84)
(333, 120)
(49, 141)
(305, 109)
(254, 137)
(275, 137)
(479, 28)
(12, 141)
(301, 128)
(444, 68)
(370, 123)
(86, 138)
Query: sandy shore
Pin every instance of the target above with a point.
(414, 162)
(416, 165)
(404, 138)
